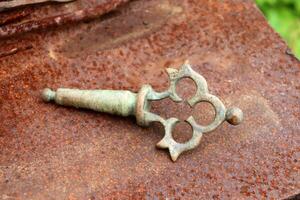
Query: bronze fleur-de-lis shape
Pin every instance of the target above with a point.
(126, 103)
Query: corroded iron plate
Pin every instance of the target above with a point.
(50, 152)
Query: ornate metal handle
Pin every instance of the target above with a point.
(126, 103)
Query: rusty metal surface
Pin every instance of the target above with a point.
(66, 17)
(51, 152)
(10, 4)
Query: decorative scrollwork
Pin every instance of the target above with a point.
(202, 95)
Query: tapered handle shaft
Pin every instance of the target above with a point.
(118, 102)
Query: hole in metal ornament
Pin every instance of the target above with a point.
(182, 132)
(204, 113)
(186, 88)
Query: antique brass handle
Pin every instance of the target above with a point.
(126, 103)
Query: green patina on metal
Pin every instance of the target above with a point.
(116, 102)
(126, 103)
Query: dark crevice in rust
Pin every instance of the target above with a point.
(289, 52)
(15, 16)
(110, 15)
(15, 50)
(293, 197)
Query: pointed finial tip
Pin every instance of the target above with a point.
(186, 62)
(174, 157)
(48, 95)
(171, 70)
(174, 153)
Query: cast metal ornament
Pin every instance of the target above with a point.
(126, 103)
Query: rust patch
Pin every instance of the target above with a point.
(61, 19)
(258, 111)
(133, 21)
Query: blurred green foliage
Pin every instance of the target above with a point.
(284, 17)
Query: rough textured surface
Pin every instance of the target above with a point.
(73, 16)
(52, 152)
(11, 4)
